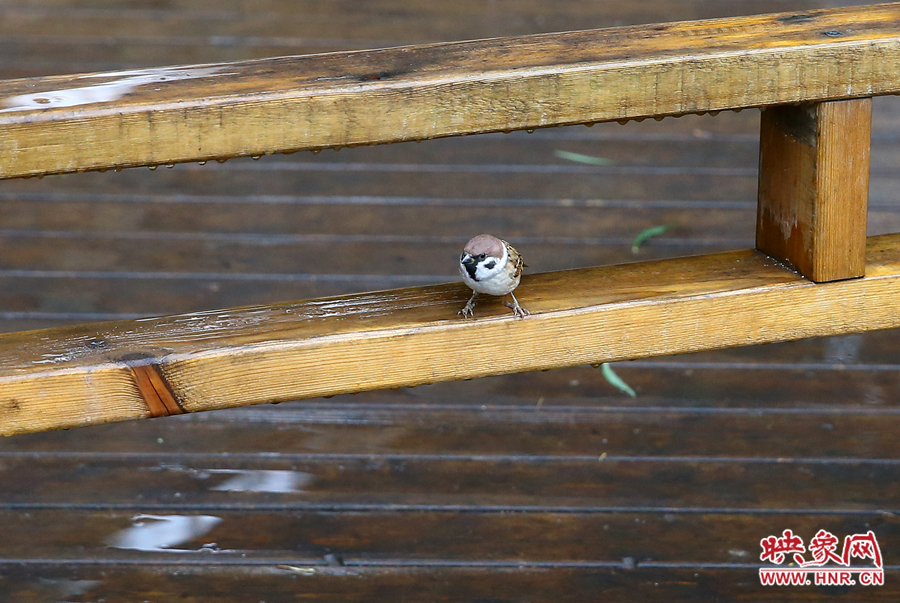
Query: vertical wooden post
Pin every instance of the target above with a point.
(814, 187)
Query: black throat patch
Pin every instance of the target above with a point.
(471, 267)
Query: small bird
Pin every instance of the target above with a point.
(493, 266)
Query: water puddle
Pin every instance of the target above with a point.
(162, 533)
(256, 480)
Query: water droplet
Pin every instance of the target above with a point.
(256, 157)
(713, 113)
(639, 119)
(39, 176)
(590, 124)
(118, 168)
(336, 148)
(316, 151)
(659, 117)
(170, 165)
(152, 167)
(221, 160)
(530, 130)
(102, 170)
(622, 122)
(202, 163)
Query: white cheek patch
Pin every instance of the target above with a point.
(482, 272)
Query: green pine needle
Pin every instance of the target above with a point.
(647, 233)
(579, 158)
(615, 380)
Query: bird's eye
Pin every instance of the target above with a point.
(482, 256)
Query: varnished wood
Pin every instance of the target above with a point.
(317, 101)
(82, 375)
(814, 187)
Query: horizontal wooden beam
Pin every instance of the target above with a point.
(201, 112)
(220, 359)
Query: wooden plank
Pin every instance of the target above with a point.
(300, 185)
(81, 222)
(56, 124)
(814, 187)
(331, 27)
(221, 359)
(621, 583)
(552, 429)
(277, 258)
(434, 482)
(64, 535)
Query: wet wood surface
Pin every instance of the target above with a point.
(202, 361)
(814, 187)
(167, 115)
(542, 486)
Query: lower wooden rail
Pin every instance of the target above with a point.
(135, 369)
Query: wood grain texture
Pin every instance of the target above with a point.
(814, 187)
(574, 582)
(386, 537)
(82, 375)
(425, 483)
(200, 112)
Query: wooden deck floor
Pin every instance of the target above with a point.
(550, 486)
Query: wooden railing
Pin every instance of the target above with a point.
(813, 73)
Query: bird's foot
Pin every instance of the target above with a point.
(516, 308)
(469, 310)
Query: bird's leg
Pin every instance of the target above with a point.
(516, 308)
(469, 310)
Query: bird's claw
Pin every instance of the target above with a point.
(469, 310)
(516, 308)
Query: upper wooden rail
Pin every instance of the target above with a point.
(195, 113)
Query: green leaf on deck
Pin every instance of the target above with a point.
(610, 375)
(579, 158)
(647, 233)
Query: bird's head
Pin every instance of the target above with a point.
(483, 257)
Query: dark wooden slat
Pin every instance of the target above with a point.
(94, 293)
(688, 385)
(348, 483)
(408, 22)
(323, 100)
(212, 182)
(361, 427)
(306, 538)
(412, 584)
(264, 223)
(286, 260)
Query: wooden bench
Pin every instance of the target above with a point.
(814, 272)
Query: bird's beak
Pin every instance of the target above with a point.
(467, 259)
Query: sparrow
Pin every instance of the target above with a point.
(493, 266)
